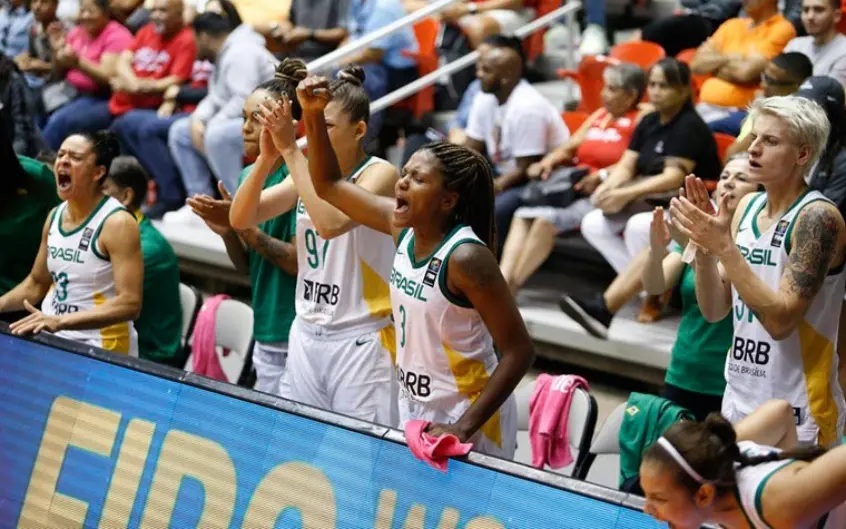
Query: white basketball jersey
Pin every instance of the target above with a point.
(445, 354)
(342, 283)
(801, 368)
(83, 278)
(751, 481)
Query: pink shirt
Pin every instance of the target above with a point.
(114, 38)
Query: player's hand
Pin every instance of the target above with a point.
(437, 429)
(278, 121)
(659, 235)
(314, 93)
(36, 322)
(709, 231)
(215, 213)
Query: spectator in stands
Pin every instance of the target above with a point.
(480, 19)
(36, 60)
(515, 128)
(666, 145)
(15, 21)
(597, 145)
(86, 59)
(89, 282)
(594, 39)
(829, 175)
(787, 305)
(736, 56)
(313, 28)
(691, 26)
(18, 121)
(269, 257)
(161, 55)
(208, 145)
(385, 66)
(824, 45)
(27, 194)
(159, 325)
(781, 77)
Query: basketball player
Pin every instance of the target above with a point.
(748, 476)
(778, 265)
(338, 355)
(450, 302)
(89, 266)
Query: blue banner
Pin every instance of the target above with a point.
(88, 443)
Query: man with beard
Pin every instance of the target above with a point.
(824, 45)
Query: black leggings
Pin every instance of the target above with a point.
(678, 32)
(700, 404)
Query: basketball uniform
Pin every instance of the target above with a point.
(339, 348)
(83, 278)
(751, 481)
(445, 354)
(801, 368)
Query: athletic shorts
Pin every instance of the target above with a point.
(509, 20)
(347, 372)
(269, 360)
(498, 437)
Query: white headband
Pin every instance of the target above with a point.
(678, 458)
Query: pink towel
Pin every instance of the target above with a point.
(549, 409)
(435, 451)
(204, 343)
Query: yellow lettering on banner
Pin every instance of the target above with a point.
(484, 522)
(416, 515)
(127, 475)
(185, 455)
(70, 423)
(297, 486)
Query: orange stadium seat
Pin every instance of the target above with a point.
(724, 141)
(589, 78)
(426, 31)
(686, 56)
(642, 53)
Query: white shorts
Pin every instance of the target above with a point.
(498, 437)
(509, 20)
(269, 360)
(347, 372)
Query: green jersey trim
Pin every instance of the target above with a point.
(83, 223)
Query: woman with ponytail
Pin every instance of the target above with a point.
(89, 270)
(338, 348)
(751, 475)
(451, 305)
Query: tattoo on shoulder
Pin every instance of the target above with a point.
(479, 271)
(816, 238)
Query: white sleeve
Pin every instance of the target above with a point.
(477, 124)
(529, 134)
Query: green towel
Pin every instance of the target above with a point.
(646, 418)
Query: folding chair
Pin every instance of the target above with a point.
(580, 423)
(190, 301)
(601, 464)
(233, 331)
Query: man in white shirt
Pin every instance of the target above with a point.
(824, 45)
(511, 122)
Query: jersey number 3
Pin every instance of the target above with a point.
(61, 282)
(316, 254)
(402, 326)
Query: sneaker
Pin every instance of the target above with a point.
(594, 41)
(591, 314)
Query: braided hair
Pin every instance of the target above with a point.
(288, 75)
(469, 174)
(710, 448)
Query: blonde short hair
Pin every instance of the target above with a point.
(807, 122)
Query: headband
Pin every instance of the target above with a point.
(682, 462)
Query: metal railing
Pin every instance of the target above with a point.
(429, 79)
(333, 57)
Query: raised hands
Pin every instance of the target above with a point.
(659, 234)
(280, 131)
(314, 93)
(215, 213)
(694, 216)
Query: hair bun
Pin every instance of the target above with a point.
(352, 74)
(718, 426)
(108, 141)
(291, 70)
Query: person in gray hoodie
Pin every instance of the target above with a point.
(207, 146)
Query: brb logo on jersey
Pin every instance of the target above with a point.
(321, 293)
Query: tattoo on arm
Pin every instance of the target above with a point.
(281, 254)
(816, 237)
(475, 270)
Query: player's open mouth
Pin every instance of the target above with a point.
(402, 205)
(754, 165)
(63, 179)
